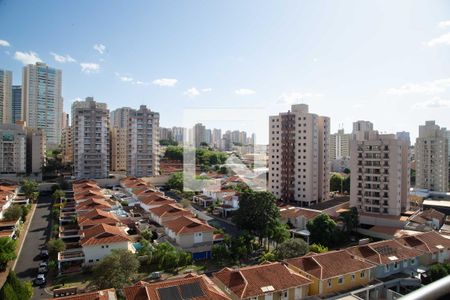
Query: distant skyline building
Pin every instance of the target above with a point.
(178, 134)
(13, 149)
(119, 117)
(361, 130)
(339, 145)
(432, 157)
(5, 96)
(199, 134)
(42, 100)
(216, 138)
(298, 156)
(67, 145)
(404, 136)
(90, 123)
(17, 114)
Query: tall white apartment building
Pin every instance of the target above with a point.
(36, 147)
(178, 134)
(143, 143)
(298, 156)
(361, 130)
(119, 117)
(90, 123)
(13, 149)
(42, 100)
(380, 168)
(431, 154)
(199, 134)
(339, 144)
(5, 96)
(216, 138)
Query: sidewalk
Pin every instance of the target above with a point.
(23, 234)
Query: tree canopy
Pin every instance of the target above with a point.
(323, 230)
(116, 270)
(7, 251)
(55, 245)
(292, 248)
(13, 213)
(176, 181)
(350, 219)
(257, 213)
(336, 182)
(16, 289)
(29, 188)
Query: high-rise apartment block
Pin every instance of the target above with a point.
(178, 134)
(379, 165)
(216, 138)
(432, 156)
(90, 123)
(13, 149)
(339, 144)
(5, 96)
(42, 100)
(119, 147)
(199, 134)
(17, 104)
(67, 145)
(298, 156)
(36, 147)
(361, 130)
(143, 143)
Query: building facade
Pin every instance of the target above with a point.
(42, 100)
(119, 146)
(13, 149)
(299, 156)
(143, 143)
(380, 176)
(17, 104)
(339, 145)
(5, 96)
(432, 155)
(90, 123)
(67, 145)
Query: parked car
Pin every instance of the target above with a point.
(155, 275)
(40, 279)
(44, 254)
(43, 267)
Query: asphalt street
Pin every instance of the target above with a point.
(38, 233)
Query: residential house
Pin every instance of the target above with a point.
(99, 240)
(390, 256)
(435, 246)
(109, 294)
(297, 217)
(262, 282)
(426, 220)
(95, 217)
(192, 235)
(93, 203)
(333, 271)
(151, 200)
(168, 212)
(191, 286)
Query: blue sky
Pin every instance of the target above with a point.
(383, 61)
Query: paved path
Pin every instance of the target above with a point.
(28, 262)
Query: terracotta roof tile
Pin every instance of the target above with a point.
(170, 210)
(187, 225)
(249, 281)
(103, 234)
(97, 216)
(150, 291)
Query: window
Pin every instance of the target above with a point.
(329, 283)
(386, 268)
(395, 265)
(353, 277)
(91, 260)
(413, 261)
(341, 280)
(363, 274)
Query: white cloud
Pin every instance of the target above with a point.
(244, 92)
(4, 43)
(192, 92)
(441, 40)
(165, 82)
(100, 48)
(27, 58)
(429, 87)
(206, 90)
(62, 58)
(296, 97)
(444, 24)
(124, 78)
(138, 82)
(433, 103)
(89, 68)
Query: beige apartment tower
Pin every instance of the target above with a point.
(339, 145)
(379, 165)
(90, 123)
(119, 143)
(67, 145)
(5, 97)
(431, 153)
(299, 155)
(13, 149)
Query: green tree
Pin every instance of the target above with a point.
(220, 253)
(267, 256)
(7, 251)
(318, 248)
(346, 184)
(323, 230)
(174, 153)
(55, 245)
(168, 143)
(16, 289)
(438, 271)
(350, 219)
(25, 211)
(292, 248)
(257, 213)
(58, 194)
(336, 182)
(185, 203)
(176, 181)
(223, 170)
(279, 234)
(13, 213)
(116, 270)
(29, 187)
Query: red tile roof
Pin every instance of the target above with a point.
(429, 242)
(88, 193)
(330, 264)
(97, 216)
(287, 212)
(103, 234)
(149, 291)
(92, 203)
(170, 210)
(187, 225)
(249, 281)
(109, 294)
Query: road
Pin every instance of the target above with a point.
(28, 262)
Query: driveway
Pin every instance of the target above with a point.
(28, 262)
